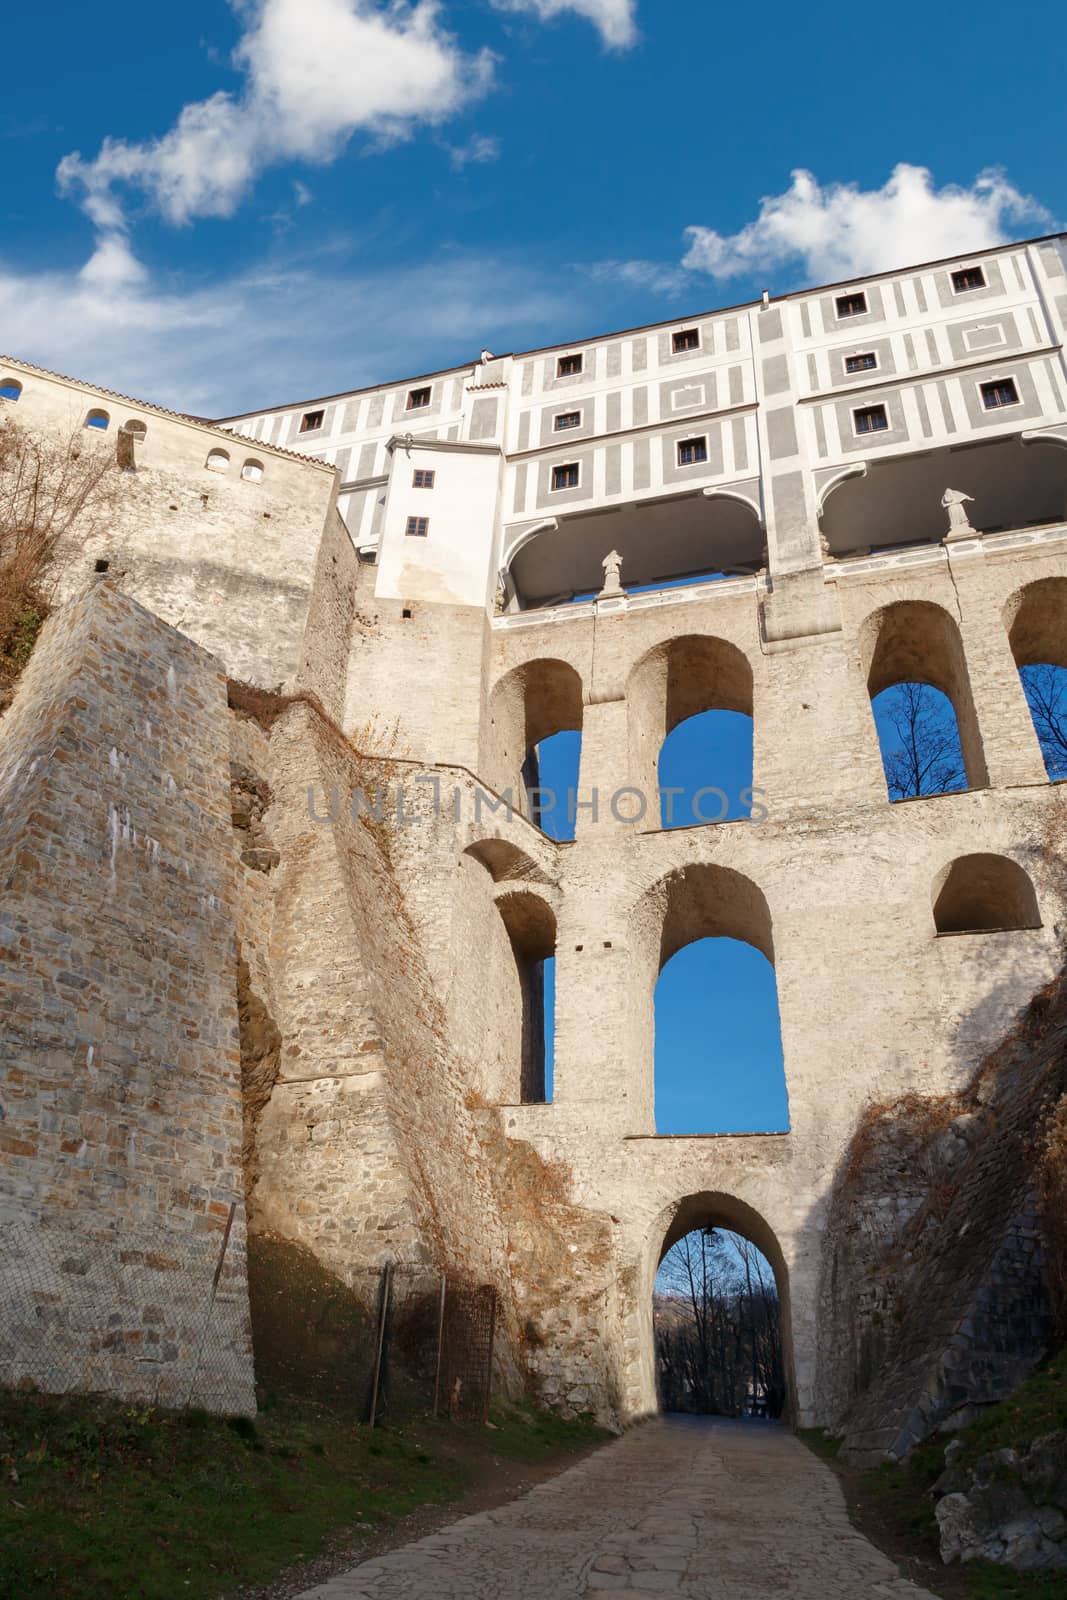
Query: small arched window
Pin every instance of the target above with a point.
(218, 461)
(97, 419)
(135, 428)
(10, 389)
(984, 894)
(252, 471)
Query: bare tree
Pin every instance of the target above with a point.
(718, 1344)
(54, 491)
(924, 756)
(1045, 686)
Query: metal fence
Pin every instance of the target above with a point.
(162, 1317)
(142, 1313)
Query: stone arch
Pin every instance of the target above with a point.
(716, 1209)
(1035, 618)
(674, 680)
(252, 471)
(917, 641)
(526, 706)
(502, 992)
(98, 419)
(697, 901)
(218, 460)
(983, 893)
(10, 389)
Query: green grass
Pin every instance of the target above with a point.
(102, 1500)
(893, 1505)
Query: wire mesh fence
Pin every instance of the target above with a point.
(145, 1313)
(161, 1317)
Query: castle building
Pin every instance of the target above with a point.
(778, 509)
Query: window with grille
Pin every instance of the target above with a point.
(568, 419)
(999, 392)
(870, 419)
(692, 451)
(866, 362)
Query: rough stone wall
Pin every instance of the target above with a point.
(120, 1109)
(934, 1299)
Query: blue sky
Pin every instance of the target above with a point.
(281, 198)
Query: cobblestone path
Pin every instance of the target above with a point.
(691, 1508)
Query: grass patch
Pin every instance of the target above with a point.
(103, 1500)
(893, 1505)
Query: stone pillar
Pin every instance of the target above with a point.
(1009, 741)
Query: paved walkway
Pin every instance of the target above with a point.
(697, 1508)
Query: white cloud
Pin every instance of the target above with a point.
(478, 149)
(275, 333)
(658, 276)
(841, 231)
(615, 19)
(316, 72)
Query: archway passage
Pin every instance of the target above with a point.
(921, 700)
(704, 770)
(718, 1051)
(1036, 619)
(720, 1313)
(531, 929)
(530, 708)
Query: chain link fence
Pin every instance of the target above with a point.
(152, 1315)
(142, 1314)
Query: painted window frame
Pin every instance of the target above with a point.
(417, 528)
(860, 355)
(684, 333)
(423, 473)
(413, 402)
(867, 433)
(700, 439)
(564, 466)
(990, 383)
(968, 288)
(308, 426)
(853, 294)
(574, 355)
(578, 412)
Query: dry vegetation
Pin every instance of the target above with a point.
(51, 489)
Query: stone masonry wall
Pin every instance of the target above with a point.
(120, 1114)
(934, 1296)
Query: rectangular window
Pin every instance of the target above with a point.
(311, 420)
(967, 278)
(417, 398)
(870, 419)
(851, 305)
(422, 478)
(687, 339)
(417, 528)
(999, 392)
(692, 451)
(565, 477)
(866, 362)
(567, 419)
(569, 366)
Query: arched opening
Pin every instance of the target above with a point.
(720, 1312)
(714, 1039)
(218, 461)
(10, 389)
(531, 927)
(252, 471)
(673, 538)
(135, 428)
(718, 1052)
(689, 703)
(1036, 619)
(921, 701)
(97, 419)
(984, 894)
(534, 732)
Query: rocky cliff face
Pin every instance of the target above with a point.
(935, 1291)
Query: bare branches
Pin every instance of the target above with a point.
(1046, 692)
(923, 754)
(51, 488)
